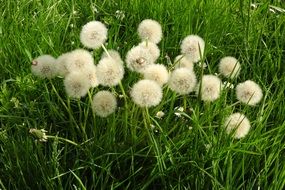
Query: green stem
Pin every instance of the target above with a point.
(106, 51)
(63, 139)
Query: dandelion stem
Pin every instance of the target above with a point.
(63, 139)
(106, 51)
(184, 103)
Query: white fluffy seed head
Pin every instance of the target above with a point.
(249, 92)
(182, 61)
(93, 34)
(193, 47)
(229, 67)
(157, 73)
(91, 75)
(104, 103)
(44, 66)
(146, 93)
(76, 84)
(79, 60)
(138, 58)
(210, 89)
(114, 54)
(109, 72)
(152, 48)
(237, 124)
(182, 81)
(61, 65)
(150, 30)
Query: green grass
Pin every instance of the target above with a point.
(118, 152)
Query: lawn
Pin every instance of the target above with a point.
(133, 148)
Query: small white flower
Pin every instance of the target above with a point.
(40, 134)
(178, 111)
(120, 14)
(159, 114)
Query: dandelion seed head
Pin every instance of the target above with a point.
(193, 47)
(210, 89)
(109, 72)
(91, 75)
(79, 60)
(44, 66)
(150, 30)
(76, 84)
(229, 67)
(182, 81)
(146, 93)
(249, 93)
(138, 58)
(114, 54)
(152, 48)
(93, 34)
(157, 73)
(104, 103)
(61, 65)
(237, 123)
(182, 61)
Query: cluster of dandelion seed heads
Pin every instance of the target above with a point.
(80, 73)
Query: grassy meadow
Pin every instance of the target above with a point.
(132, 148)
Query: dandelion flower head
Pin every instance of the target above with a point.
(238, 124)
(146, 93)
(193, 47)
(114, 54)
(44, 66)
(61, 65)
(93, 34)
(152, 48)
(138, 58)
(249, 92)
(229, 67)
(211, 88)
(104, 103)
(79, 60)
(109, 72)
(150, 30)
(182, 61)
(76, 84)
(157, 73)
(182, 81)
